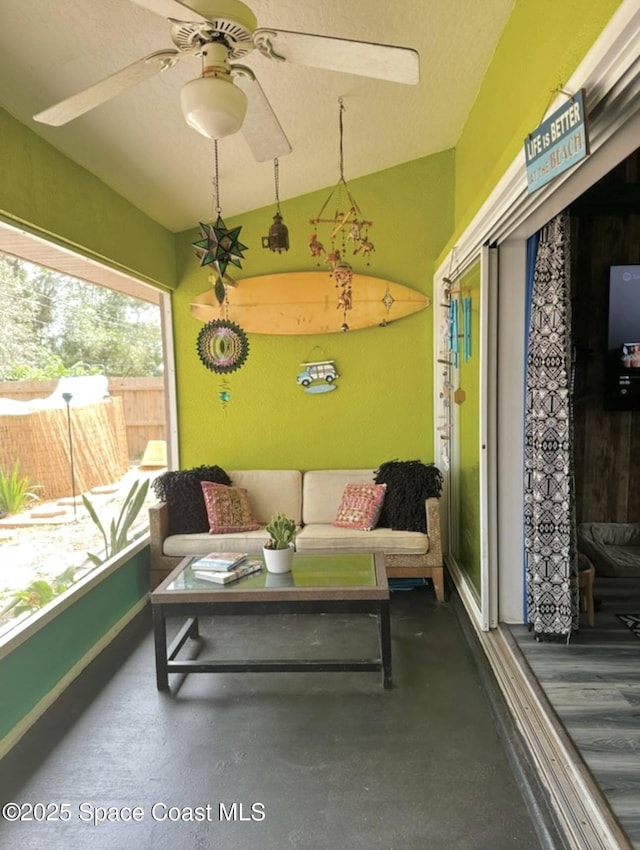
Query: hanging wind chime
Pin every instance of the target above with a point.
(346, 229)
(222, 345)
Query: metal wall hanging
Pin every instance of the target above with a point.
(222, 346)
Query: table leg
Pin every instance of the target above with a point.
(160, 642)
(384, 626)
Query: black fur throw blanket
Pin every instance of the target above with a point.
(182, 492)
(409, 483)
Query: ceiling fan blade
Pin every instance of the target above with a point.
(261, 128)
(170, 9)
(78, 104)
(380, 61)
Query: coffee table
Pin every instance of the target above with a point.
(318, 584)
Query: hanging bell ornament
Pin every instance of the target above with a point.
(278, 238)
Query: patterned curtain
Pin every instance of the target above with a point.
(549, 521)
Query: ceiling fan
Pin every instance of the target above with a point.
(227, 96)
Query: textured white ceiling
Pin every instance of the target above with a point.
(139, 144)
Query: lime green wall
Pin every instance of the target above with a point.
(33, 669)
(51, 196)
(542, 44)
(383, 406)
(467, 469)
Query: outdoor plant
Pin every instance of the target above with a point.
(281, 530)
(116, 537)
(37, 594)
(14, 491)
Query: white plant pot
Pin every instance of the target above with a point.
(278, 560)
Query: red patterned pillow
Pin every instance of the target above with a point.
(228, 509)
(360, 506)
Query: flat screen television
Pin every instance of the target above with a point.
(622, 385)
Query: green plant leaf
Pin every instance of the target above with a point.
(132, 506)
(113, 539)
(61, 582)
(94, 516)
(117, 537)
(34, 596)
(14, 491)
(96, 560)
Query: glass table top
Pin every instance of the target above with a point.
(309, 571)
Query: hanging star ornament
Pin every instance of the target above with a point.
(219, 246)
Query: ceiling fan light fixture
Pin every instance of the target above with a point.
(213, 106)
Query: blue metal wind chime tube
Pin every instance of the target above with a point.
(454, 342)
(466, 327)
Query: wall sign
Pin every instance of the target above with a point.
(558, 143)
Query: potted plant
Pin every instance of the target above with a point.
(278, 550)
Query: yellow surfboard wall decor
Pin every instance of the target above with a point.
(307, 303)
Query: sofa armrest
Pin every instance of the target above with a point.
(161, 564)
(432, 508)
(158, 523)
(428, 565)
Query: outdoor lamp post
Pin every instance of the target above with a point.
(67, 400)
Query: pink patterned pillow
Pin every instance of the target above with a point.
(228, 509)
(360, 506)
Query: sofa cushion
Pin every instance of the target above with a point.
(181, 490)
(228, 509)
(409, 484)
(322, 492)
(360, 506)
(271, 491)
(319, 537)
(182, 545)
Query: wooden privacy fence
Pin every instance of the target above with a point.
(144, 411)
(142, 405)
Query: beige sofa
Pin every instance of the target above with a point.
(312, 498)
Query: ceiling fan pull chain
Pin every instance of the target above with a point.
(216, 180)
(276, 174)
(341, 102)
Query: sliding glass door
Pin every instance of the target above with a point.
(466, 364)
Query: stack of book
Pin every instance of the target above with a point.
(224, 567)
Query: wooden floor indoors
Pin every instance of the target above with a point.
(593, 684)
